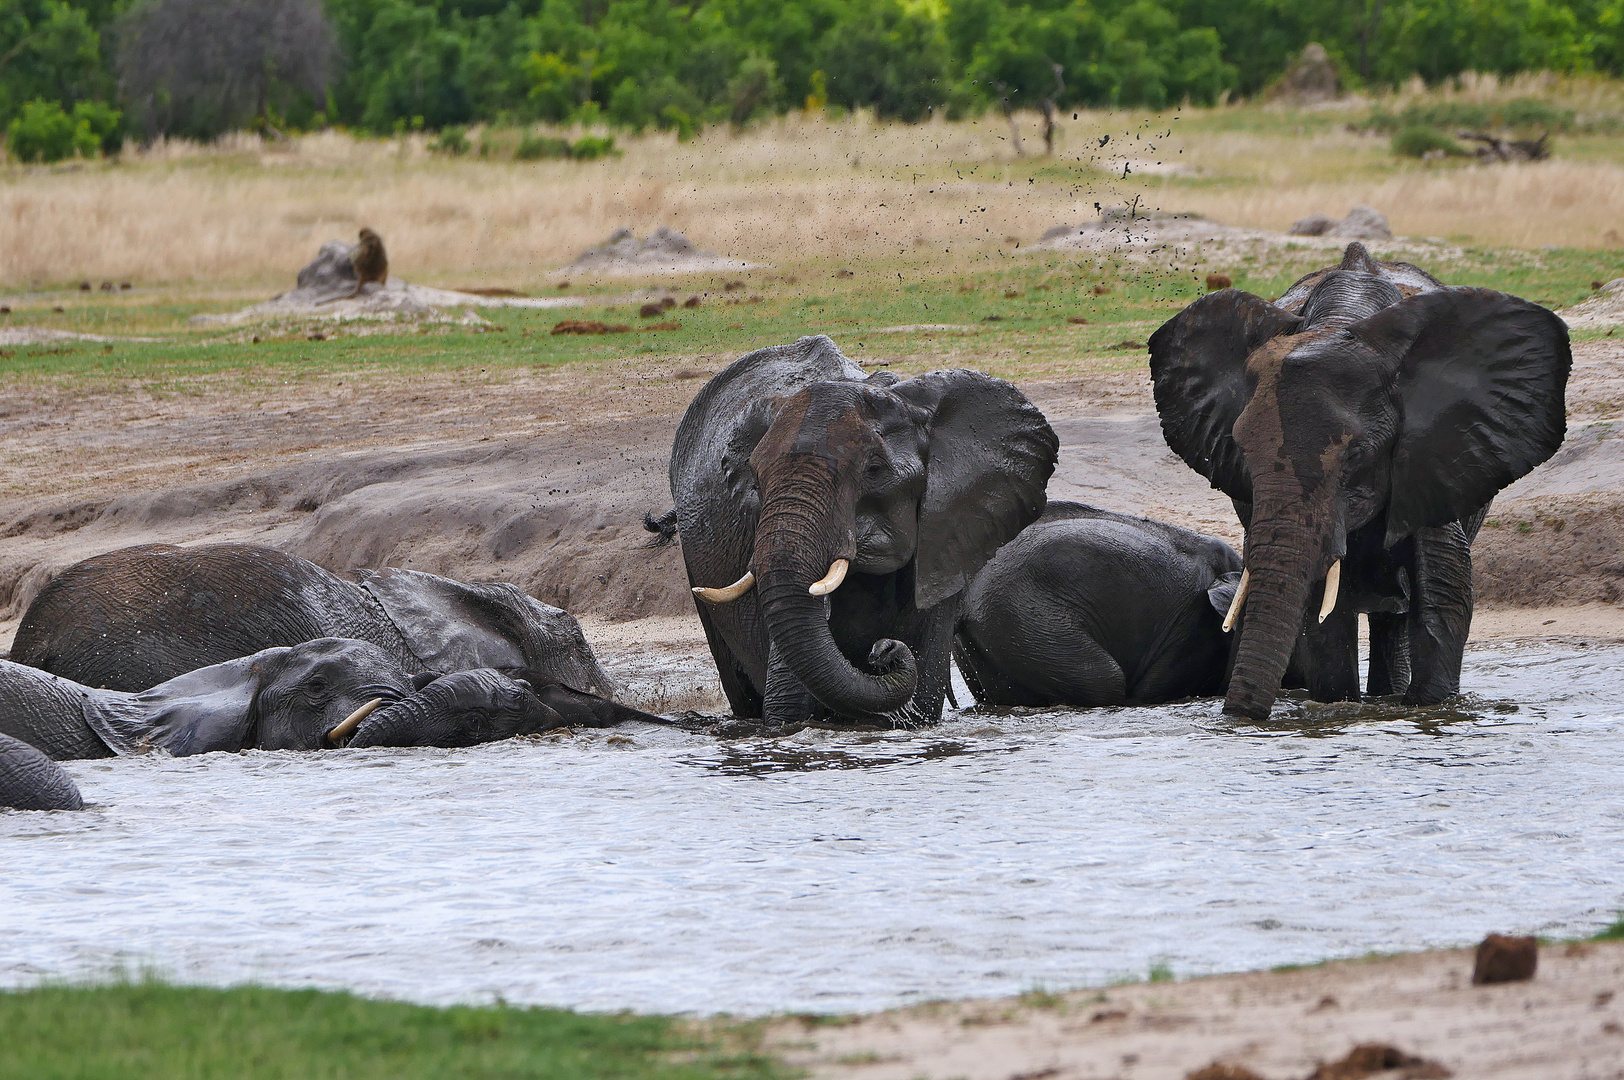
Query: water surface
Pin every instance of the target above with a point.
(655, 869)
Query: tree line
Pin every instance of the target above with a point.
(100, 70)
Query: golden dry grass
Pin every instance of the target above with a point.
(797, 190)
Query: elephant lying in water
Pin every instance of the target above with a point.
(848, 511)
(192, 607)
(319, 694)
(31, 781)
(1361, 425)
(1088, 607)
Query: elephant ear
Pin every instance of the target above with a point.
(205, 710)
(1221, 593)
(990, 456)
(1480, 378)
(1198, 375)
(460, 626)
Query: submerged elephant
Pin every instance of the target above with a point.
(1088, 607)
(1361, 426)
(31, 781)
(830, 519)
(131, 618)
(319, 694)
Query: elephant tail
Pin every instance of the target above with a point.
(664, 526)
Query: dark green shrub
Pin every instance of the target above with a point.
(541, 148)
(591, 147)
(1418, 141)
(453, 140)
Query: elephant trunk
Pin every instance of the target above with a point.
(1283, 557)
(807, 524)
(462, 709)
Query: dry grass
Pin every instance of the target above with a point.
(791, 192)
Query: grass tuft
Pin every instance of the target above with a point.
(136, 1030)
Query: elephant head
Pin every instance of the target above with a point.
(1378, 398)
(907, 487)
(470, 707)
(31, 781)
(286, 698)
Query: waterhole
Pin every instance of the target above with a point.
(658, 869)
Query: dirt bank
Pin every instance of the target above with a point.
(1566, 1024)
(541, 477)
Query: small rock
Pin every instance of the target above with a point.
(1100, 290)
(666, 303)
(1076, 320)
(651, 311)
(1502, 958)
(1219, 1070)
(1362, 223)
(1218, 281)
(691, 302)
(125, 285)
(107, 286)
(1312, 225)
(84, 286)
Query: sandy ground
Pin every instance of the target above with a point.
(1566, 1024)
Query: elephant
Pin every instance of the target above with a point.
(1088, 607)
(319, 694)
(830, 519)
(31, 781)
(1360, 425)
(190, 607)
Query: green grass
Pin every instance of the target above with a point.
(1614, 932)
(1027, 334)
(149, 1029)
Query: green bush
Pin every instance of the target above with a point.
(1419, 140)
(43, 132)
(1523, 113)
(541, 148)
(453, 140)
(591, 147)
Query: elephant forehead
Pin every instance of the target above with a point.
(829, 419)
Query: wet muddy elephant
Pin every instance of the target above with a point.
(1361, 425)
(1087, 607)
(131, 618)
(320, 694)
(830, 519)
(31, 781)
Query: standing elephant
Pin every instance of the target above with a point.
(31, 781)
(131, 618)
(830, 519)
(1088, 607)
(1361, 427)
(316, 695)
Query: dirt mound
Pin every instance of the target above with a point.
(1125, 231)
(665, 251)
(1362, 223)
(1604, 308)
(326, 288)
(1311, 80)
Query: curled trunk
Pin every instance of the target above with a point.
(807, 522)
(462, 709)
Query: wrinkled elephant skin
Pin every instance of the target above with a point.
(1361, 425)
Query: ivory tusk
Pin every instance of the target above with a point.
(1333, 579)
(729, 594)
(830, 581)
(1240, 598)
(346, 727)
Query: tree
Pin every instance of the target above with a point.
(204, 67)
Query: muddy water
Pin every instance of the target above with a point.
(660, 870)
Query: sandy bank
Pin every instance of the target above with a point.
(1564, 1024)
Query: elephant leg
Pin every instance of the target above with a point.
(787, 703)
(1440, 615)
(1389, 655)
(989, 685)
(1188, 659)
(742, 697)
(1331, 657)
(934, 658)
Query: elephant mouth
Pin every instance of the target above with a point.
(339, 734)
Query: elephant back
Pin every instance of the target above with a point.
(133, 618)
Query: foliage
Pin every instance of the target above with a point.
(1419, 140)
(1612, 932)
(43, 132)
(153, 1030)
(1520, 113)
(453, 140)
(679, 65)
(204, 67)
